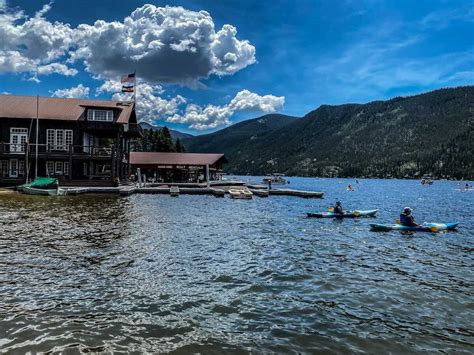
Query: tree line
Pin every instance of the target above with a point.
(159, 140)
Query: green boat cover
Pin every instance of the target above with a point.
(43, 183)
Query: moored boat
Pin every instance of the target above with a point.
(347, 214)
(425, 227)
(42, 186)
(240, 193)
(275, 179)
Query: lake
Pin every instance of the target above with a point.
(203, 274)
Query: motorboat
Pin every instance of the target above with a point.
(240, 193)
(275, 179)
(426, 180)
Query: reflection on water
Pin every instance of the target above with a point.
(200, 274)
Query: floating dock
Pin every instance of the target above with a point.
(218, 192)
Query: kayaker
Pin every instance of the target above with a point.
(338, 208)
(406, 219)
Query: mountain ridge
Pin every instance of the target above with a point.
(405, 137)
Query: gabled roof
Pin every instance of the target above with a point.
(193, 159)
(54, 108)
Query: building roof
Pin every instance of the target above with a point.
(54, 108)
(193, 159)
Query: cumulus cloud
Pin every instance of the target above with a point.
(78, 92)
(165, 44)
(216, 116)
(29, 43)
(56, 68)
(150, 106)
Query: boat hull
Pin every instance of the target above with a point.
(352, 214)
(426, 227)
(42, 192)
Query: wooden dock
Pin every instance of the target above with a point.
(218, 192)
(297, 193)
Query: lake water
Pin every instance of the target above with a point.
(209, 275)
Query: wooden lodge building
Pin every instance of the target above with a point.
(81, 142)
(178, 167)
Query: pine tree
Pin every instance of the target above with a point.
(178, 147)
(166, 140)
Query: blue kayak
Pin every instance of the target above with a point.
(425, 227)
(348, 214)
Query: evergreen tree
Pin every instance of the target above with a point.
(178, 147)
(166, 140)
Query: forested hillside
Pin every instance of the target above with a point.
(405, 137)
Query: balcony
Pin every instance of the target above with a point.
(47, 150)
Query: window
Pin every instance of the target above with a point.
(68, 137)
(18, 139)
(50, 168)
(100, 115)
(58, 170)
(59, 139)
(21, 168)
(14, 130)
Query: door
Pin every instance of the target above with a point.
(13, 168)
(18, 139)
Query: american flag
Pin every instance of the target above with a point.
(128, 78)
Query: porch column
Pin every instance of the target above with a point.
(113, 167)
(70, 162)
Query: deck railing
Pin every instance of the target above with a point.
(45, 149)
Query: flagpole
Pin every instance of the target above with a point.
(37, 133)
(135, 86)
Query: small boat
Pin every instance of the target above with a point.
(275, 179)
(42, 186)
(174, 191)
(425, 227)
(347, 214)
(240, 193)
(426, 180)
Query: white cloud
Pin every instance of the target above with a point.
(150, 106)
(216, 116)
(249, 101)
(56, 68)
(166, 44)
(78, 92)
(29, 43)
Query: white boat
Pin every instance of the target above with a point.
(42, 186)
(174, 191)
(275, 179)
(43, 192)
(240, 193)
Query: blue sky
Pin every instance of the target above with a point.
(285, 56)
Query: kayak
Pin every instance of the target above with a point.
(425, 227)
(348, 214)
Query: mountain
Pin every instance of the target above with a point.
(174, 134)
(233, 139)
(405, 137)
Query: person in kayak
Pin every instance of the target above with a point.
(406, 219)
(338, 208)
